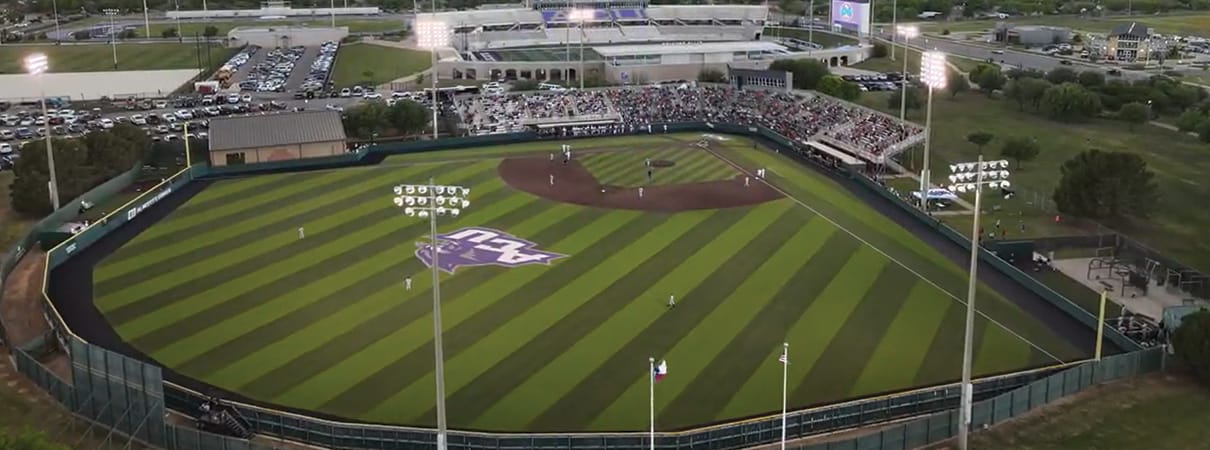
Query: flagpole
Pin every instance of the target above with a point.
(785, 367)
(651, 405)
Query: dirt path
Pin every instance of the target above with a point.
(21, 305)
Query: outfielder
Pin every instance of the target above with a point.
(301, 233)
(671, 301)
(407, 283)
(746, 180)
(640, 192)
(552, 179)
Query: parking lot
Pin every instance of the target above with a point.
(286, 70)
(876, 82)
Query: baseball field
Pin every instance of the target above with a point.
(555, 290)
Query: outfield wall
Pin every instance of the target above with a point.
(742, 433)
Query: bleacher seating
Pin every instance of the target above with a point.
(799, 117)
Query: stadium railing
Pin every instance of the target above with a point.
(317, 431)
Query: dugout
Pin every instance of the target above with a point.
(777, 79)
(276, 137)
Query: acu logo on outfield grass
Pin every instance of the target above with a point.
(477, 246)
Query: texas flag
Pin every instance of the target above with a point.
(660, 370)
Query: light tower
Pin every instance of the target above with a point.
(932, 73)
(908, 32)
(970, 177)
(432, 34)
(37, 64)
(430, 201)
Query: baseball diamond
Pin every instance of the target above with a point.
(552, 303)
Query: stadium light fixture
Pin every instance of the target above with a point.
(932, 73)
(430, 201)
(908, 32)
(433, 34)
(37, 64)
(971, 177)
(579, 16)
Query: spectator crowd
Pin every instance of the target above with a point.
(798, 117)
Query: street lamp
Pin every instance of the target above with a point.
(932, 73)
(433, 34)
(113, 36)
(580, 16)
(895, 29)
(909, 32)
(37, 64)
(429, 201)
(967, 177)
(55, 7)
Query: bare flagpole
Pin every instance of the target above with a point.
(785, 367)
(651, 404)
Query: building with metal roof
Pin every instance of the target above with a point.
(276, 137)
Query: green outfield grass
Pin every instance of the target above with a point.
(370, 64)
(99, 57)
(224, 290)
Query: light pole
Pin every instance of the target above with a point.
(433, 34)
(909, 32)
(332, 12)
(932, 73)
(971, 177)
(113, 36)
(37, 64)
(894, 29)
(580, 16)
(429, 201)
(55, 7)
(146, 20)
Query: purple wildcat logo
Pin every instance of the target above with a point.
(476, 246)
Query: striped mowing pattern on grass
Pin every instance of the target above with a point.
(223, 290)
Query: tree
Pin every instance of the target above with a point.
(1190, 119)
(1017, 74)
(168, 33)
(956, 83)
(839, 88)
(1191, 342)
(1091, 79)
(1134, 113)
(1060, 75)
(989, 78)
(807, 72)
(879, 51)
(1027, 91)
(711, 76)
(210, 31)
(29, 192)
(408, 117)
(365, 120)
(980, 138)
(1070, 101)
(914, 99)
(1106, 185)
(1020, 149)
(1203, 131)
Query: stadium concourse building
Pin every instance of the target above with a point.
(276, 137)
(618, 41)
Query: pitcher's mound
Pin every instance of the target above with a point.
(575, 184)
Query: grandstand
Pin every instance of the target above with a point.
(812, 121)
(625, 22)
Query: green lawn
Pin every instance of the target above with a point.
(1180, 164)
(548, 53)
(1152, 412)
(198, 28)
(224, 290)
(1182, 23)
(99, 57)
(827, 40)
(370, 64)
